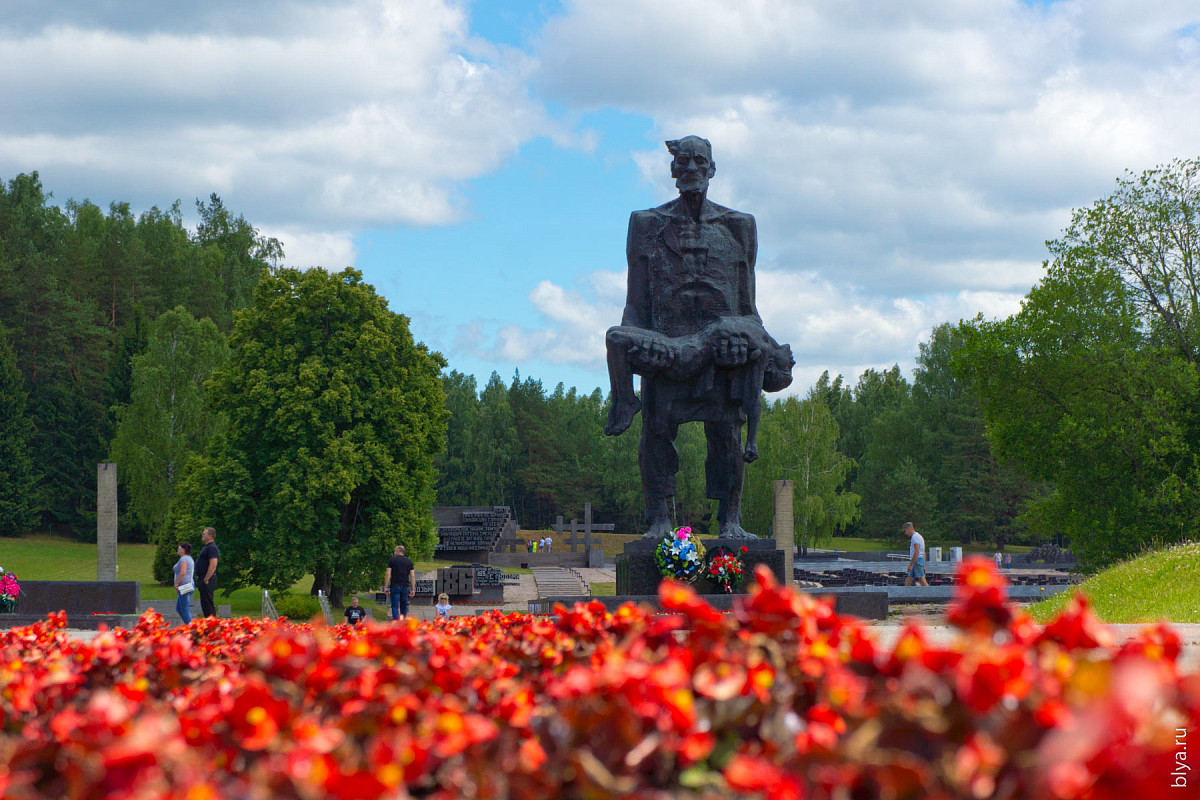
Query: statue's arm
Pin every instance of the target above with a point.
(749, 306)
(637, 293)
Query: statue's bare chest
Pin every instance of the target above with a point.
(694, 275)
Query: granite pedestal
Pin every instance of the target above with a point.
(87, 603)
(637, 573)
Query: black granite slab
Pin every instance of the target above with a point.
(79, 597)
(637, 574)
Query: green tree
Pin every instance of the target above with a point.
(167, 420)
(17, 475)
(904, 496)
(334, 418)
(798, 441)
(620, 482)
(1093, 386)
(978, 499)
(232, 257)
(74, 285)
(496, 446)
(455, 486)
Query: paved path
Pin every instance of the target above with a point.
(558, 582)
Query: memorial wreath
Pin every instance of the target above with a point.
(727, 569)
(680, 555)
(10, 590)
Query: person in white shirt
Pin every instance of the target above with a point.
(999, 559)
(916, 556)
(442, 608)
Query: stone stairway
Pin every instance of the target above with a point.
(559, 582)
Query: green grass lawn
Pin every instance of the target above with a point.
(604, 589)
(53, 558)
(1162, 585)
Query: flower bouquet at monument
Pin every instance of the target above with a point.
(727, 570)
(680, 555)
(10, 590)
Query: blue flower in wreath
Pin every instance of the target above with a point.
(680, 555)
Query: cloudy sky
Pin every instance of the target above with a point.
(478, 160)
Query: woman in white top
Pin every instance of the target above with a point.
(443, 606)
(185, 571)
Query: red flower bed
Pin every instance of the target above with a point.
(782, 698)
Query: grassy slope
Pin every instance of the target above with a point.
(1162, 585)
(51, 558)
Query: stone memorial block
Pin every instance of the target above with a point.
(785, 526)
(106, 522)
(638, 574)
(456, 581)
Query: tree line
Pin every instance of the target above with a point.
(175, 352)
(862, 459)
(81, 294)
(292, 410)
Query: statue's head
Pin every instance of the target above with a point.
(691, 163)
(779, 370)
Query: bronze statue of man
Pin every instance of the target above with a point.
(692, 331)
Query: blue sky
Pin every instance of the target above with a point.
(479, 160)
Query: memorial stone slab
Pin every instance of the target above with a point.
(638, 574)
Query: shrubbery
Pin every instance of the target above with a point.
(781, 698)
(297, 607)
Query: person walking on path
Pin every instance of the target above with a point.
(185, 576)
(401, 582)
(916, 556)
(206, 571)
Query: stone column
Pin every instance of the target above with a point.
(106, 522)
(785, 525)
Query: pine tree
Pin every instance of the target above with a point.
(17, 477)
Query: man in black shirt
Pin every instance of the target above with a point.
(355, 613)
(206, 572)
(400, 582)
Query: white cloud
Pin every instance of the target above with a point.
(905, 161)
(324, 118)
(333, 251)
(828, 326)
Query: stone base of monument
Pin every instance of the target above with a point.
(637, 574)
(87, 603)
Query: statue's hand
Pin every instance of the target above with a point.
(731, 350)
(650, 353)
